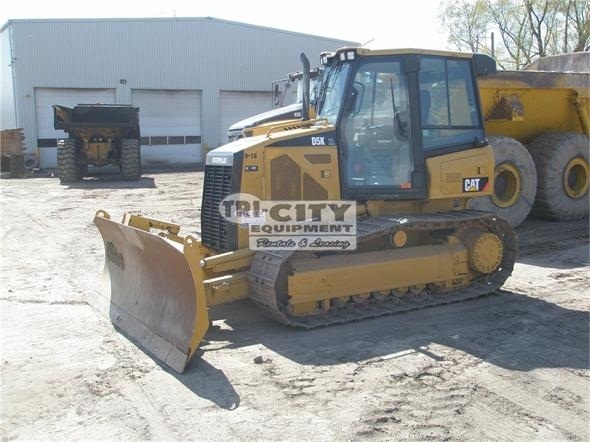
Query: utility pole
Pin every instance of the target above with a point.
(492, 41)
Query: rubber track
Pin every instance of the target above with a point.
(269, 270)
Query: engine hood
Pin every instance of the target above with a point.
(283, 113)
(318, 136)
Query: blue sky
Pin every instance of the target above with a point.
(396, 24)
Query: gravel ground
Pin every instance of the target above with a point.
(509, 366)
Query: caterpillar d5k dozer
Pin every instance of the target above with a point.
(373, 144)
(98, 135)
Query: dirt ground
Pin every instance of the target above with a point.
(509, 366)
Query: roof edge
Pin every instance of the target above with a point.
(168, 19)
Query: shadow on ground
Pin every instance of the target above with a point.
(552, 244)
(509, 330)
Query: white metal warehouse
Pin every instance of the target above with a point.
(191, 77)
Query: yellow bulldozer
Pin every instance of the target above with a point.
(398, 139)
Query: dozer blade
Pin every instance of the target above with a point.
(153, 291)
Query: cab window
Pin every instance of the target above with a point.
(449, 114)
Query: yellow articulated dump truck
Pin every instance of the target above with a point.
(537, 122)
(359, 213)
(98, 135)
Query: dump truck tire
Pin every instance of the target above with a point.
(130, 159)
(561, 160)
(68, 169)
(515, 182)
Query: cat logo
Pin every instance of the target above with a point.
(475, 184)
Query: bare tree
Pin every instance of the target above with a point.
(513, 26)
(527, 29)
(577, 22)
(467, 21)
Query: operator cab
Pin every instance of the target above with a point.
(393, 110)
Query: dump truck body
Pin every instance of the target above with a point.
(525, 104)
(98, 135)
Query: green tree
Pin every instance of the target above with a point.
(516, 32)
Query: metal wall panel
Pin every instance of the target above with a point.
(162, 54)
(170, 123)
(237, 105)
(7, 109)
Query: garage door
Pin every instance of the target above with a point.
(170, 124)
(47, 136)
(236, 106)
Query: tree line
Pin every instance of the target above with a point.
(516, 32)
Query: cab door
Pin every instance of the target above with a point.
(380, 150)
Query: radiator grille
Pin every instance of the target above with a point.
(214, 228)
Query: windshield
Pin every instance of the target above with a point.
(331, 94)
